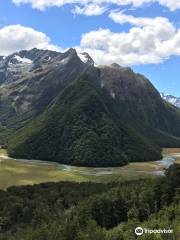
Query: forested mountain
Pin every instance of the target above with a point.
(82, 127)
(60, 107)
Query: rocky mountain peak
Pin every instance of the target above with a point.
(71, 52)
(115, 65)
(119, 67)
(21, 64)
(86, 58)
(33, 77)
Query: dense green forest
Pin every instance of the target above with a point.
(91, 211)
(82, 127)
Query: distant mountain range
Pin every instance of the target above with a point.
(171, 99)
(62, 107)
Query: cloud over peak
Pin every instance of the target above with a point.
(150, 41)
(16, 37)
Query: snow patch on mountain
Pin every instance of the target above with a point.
(22, 60)
(64, 61)
(171, 99)
(85, 58)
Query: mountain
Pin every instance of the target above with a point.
(81, 128)
(61, 107)
(30, 80)
(141, 105)
(171, 99)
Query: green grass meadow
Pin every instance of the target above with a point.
(14, 173)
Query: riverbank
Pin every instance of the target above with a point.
(28, 172)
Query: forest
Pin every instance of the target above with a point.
(82, 127)
(86, 211)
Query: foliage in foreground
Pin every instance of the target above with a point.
(86, 211)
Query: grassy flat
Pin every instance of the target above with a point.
(3, 152)
(17, 172)
(178, 160)
(169, 151)
(23, 173)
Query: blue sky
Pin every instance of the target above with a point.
(142, 34)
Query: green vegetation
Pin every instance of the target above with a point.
(142, 108)
(86, 211)
(82, 127)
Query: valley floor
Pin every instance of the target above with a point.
(24, 172)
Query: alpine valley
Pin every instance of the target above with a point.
(62, 107)
(78, 144)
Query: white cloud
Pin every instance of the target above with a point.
(171, 4)
(89, 10)
(16, 37)
(98, 5)
(150, 41)
(121, 18)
